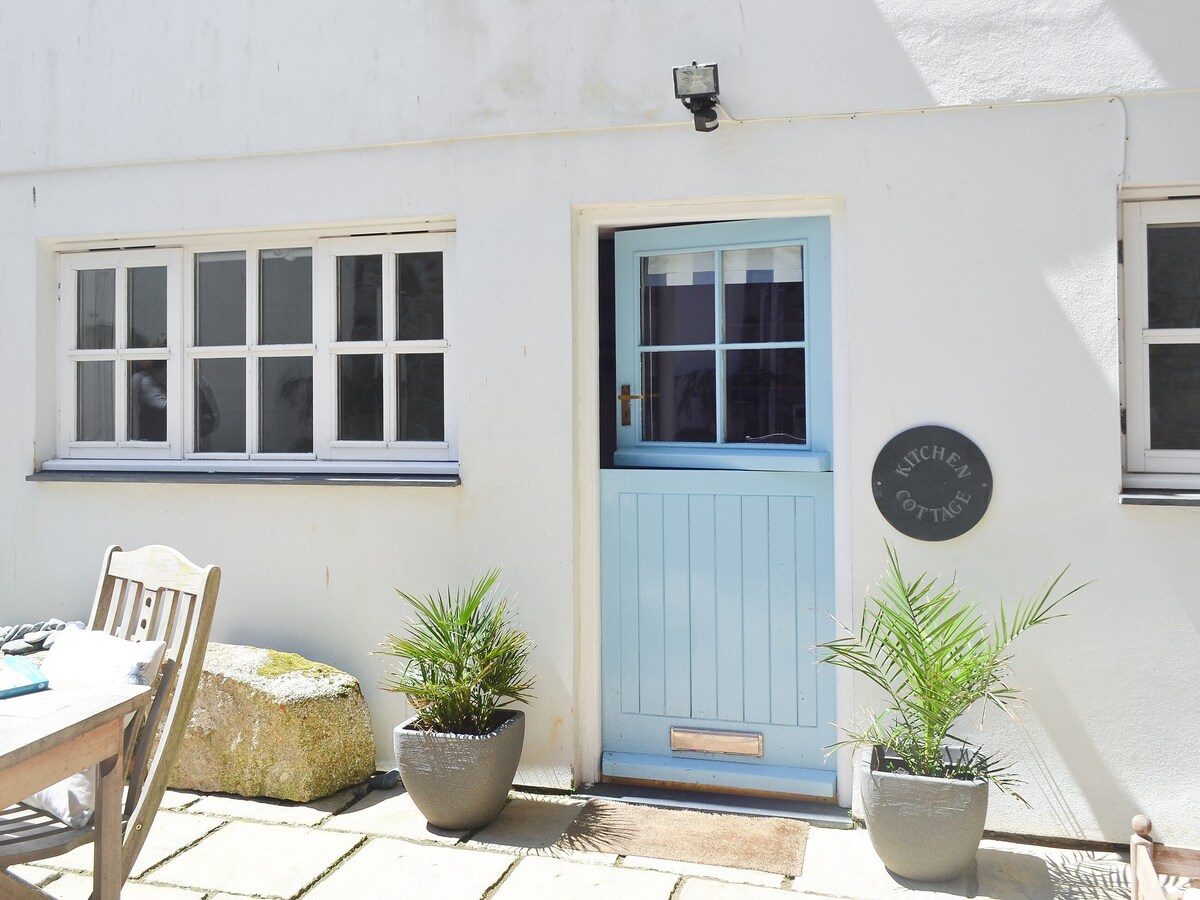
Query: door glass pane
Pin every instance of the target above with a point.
(148, 400)
(220, 299)
(420, 395)
(682, 401)
(97, 309)
(148, 307)
(1175, 396)
(764, 396)
(286, 404)
(419, 296)
(1173, 275)
(219, 406)
(95, 416)
(677, 299)
(285, 296)
(360, 298)
(360, 397)
(764, 295)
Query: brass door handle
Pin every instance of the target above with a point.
(625, 397)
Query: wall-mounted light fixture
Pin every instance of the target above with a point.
(696, 85)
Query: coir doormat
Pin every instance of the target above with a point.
(718, 839)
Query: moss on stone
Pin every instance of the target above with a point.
(276, 664)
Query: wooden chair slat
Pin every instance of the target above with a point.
(1176, 861)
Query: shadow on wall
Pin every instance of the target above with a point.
(1077, 751)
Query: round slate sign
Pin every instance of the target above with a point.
(932, 483)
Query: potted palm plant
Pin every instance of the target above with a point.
(924, 789)
(463, 660)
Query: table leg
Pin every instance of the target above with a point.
(107, 874)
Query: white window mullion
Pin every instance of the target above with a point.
(253, 337)
(175, 356)
(388, 346)
(449, 356)
(719, 343)
(324, 316)
(187, 366)
(68, 305)
(808, 366)
(121, 363)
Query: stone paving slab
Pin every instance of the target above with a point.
(169, 833)
(387, 867)
(531, 824)
(257, 859)
(79, 887)
(281, 812)
(390, 814)
(843, 864)
(538, 876)
(702, 889)
(178, 799)
(699, 870)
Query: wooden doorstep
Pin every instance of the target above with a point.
(716, 789)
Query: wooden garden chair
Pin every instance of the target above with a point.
(1149, 860)
(149, 594)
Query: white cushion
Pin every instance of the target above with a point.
(93, 657)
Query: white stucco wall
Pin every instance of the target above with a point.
(975, 286)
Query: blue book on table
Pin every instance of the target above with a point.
(20, 676)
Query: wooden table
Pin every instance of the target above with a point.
(48, 735)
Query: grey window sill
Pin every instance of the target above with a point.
(1159, 497)
(150, 477)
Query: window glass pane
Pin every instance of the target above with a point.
(97, 310)
(286, 404)
(764, 396)
(219, 406)
(1175, 396)
(285, 296)
(418, 296)
(1173, 275)
(148, 307)
(677, 299)
(220, 299)
(421, 405)
(148, 400)
(360, 298)
(682, 401)
(360, 397)
(764, 295)
(95, 416)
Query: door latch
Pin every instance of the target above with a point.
(625, 397)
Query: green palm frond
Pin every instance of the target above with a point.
(463, 658)
(934, 657)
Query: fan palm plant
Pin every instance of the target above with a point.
(463, 658)
(935, 657)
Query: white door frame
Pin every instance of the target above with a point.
(587, 223)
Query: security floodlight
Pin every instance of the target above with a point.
(697, 87)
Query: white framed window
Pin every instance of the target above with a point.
(296, 353)
(1161, 331)
(119, 334)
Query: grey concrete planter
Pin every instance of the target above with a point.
(460, 781)
(926, 829)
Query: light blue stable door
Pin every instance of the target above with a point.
(716, 521)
